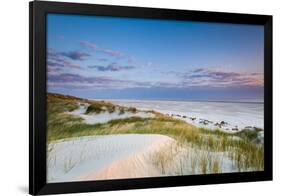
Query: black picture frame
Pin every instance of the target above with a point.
(37, 97)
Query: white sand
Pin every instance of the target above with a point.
(104, 157)
(104, 117)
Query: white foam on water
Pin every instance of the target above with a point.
(238, 115)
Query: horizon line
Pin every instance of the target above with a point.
(243, 100)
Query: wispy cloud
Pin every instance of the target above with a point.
(221, 78)
(75, 55)
(149, 64)
(89, 45)
(107, 51)
(131, 59)
(112, 52)
(102, 59)
(111, 67)
(56, 59)
(68, 80)
(200, 77)
(53, 70)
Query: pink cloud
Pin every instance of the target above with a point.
(89, 45)
(56, 59)
(107, 51)
(221, 78)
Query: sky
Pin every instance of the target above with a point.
(131, 58)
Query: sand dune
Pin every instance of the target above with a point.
(104, 117)
(104, 157)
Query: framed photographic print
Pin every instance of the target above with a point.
(130, 97)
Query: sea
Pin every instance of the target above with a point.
(236, 115)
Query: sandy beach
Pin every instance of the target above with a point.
(114, 156)
(98, 140)
(237, 115)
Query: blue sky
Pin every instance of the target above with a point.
(110, 57)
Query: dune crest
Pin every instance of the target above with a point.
(134, 166)
(116, 156)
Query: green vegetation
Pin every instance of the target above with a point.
(250, 134)
(122, 111)
(132, 109)
(100, 106)
(68, 165)
(93, 108)
(241, 147)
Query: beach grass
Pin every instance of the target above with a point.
(240, 147)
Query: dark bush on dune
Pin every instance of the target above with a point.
(122, 111)
(111, 109)
(132, 109)
(250, 134)
(93, 108)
